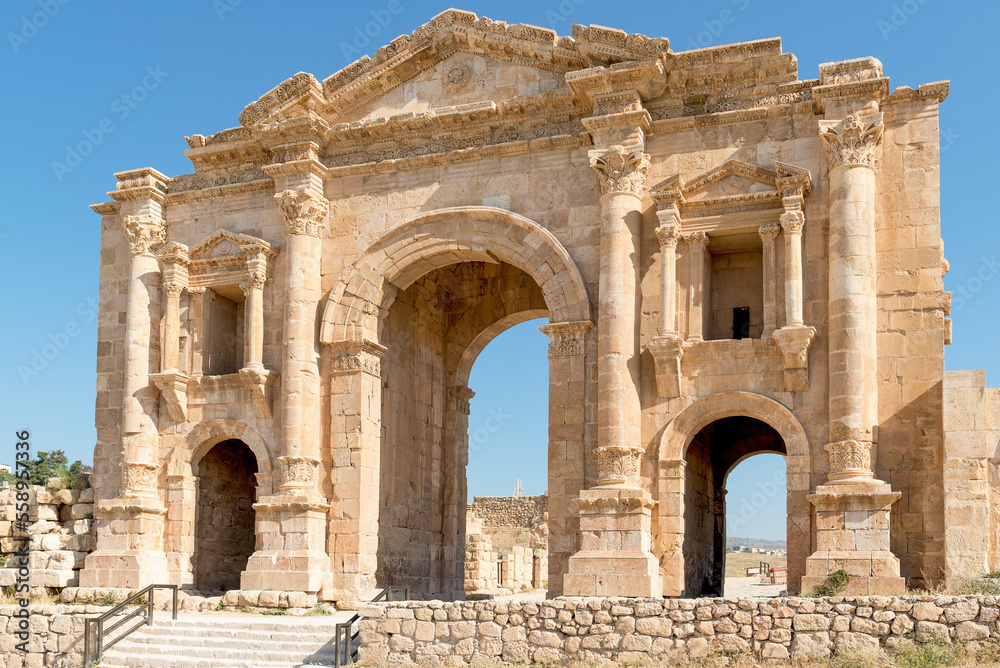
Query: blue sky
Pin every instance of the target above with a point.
(128, 80)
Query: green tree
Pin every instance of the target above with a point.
(53, 464)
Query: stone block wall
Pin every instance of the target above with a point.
(509, 511)
(641, 629)
(61, 531)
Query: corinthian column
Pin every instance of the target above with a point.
(667, 348)
(852, 508)
(696, 243)
(768, 233)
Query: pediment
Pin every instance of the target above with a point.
(225, 245)
(733, 184)
(411, 58)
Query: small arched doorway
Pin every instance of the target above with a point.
(712, 453)
(224, 535)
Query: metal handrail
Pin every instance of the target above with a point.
(343, 637)
(145, 608)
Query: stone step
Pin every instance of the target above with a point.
(198, 636)
(198, 645)
(115, 659)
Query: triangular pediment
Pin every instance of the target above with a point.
(733, 183)
(223, 244)
(408, 59)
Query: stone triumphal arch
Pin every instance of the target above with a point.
(732, 260)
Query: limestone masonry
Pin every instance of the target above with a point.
(732, 260)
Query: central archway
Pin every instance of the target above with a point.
(427, 297)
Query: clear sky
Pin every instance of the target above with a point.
(97, 87)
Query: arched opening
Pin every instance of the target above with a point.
(712, 453)
(756, 526)
(433, 332)
(225, 534)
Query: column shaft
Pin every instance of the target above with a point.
(696, 242)
(792, 223)
(768, 233)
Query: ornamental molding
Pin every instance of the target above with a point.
(303, 212)
(144, 233)
(356, 356)
(567, 339)
(852, 141)
(620, 170)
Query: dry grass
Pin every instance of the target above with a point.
(737, 562)
(9, 597)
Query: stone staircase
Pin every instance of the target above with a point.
(210, 640)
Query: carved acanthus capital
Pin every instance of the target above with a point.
(353, 356)
(139, 479)
(696, 240)
(853, 141)
(792, 222)
(303, 212)
(668, 235)
(144, 233)
(621, 170)
(255, 281)
(769, 232)
(173, 289)
(618, 465)
(850, 461)
(567, 339)
(298, 474)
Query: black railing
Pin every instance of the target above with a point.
(145, 610)
(344, 635)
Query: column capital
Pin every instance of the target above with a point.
(139, 479)
(618, 465)
(668, 234)
(621, 169)
(304, 213)
(769, 231)
(695, 238)
(792, 222)
(567, 339)
(297, 473)
(850, 461)
(359, 355)
(852, 141)
(144, 233)
(459, 397)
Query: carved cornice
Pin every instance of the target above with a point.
(356, 356)
(140, 184)
(144, 233)
(304, 213)
(621, 170)
(567, 339)
(853, 141)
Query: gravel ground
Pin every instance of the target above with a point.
(737, 587)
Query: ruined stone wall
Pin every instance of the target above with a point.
(598, 629)
(509, 511)
(61, 530)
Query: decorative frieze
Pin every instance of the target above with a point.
(621, 170)
(303, 212)
(853, 141)
(354, 356)
(567, 339)
(144, 233)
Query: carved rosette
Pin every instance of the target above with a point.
(668, 235)
(139, 479)
(621, 170)
(144, 234)
(853, 141)
(567, 339)
(298, 473)
(850, 461)
(303, 212)
(618, 465)
(354, 356)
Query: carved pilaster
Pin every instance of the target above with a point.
(303, 212)
(621, 170)
(297, 474)
(567, 339)
(850, 461)
(668, 235)
(618, 465)
(354, 356)
(852, 141)
(144, 233)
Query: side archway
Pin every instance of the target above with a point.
(209, 433)
(449, 236)
(672, 473)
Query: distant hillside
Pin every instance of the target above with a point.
(734, 541)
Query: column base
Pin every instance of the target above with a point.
(129, 552)
(615, 559)
(291, 532)
(852, 534)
